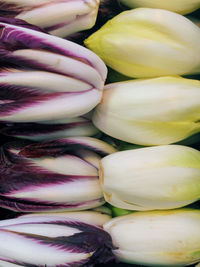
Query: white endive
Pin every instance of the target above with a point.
(146, 42)
(58, 17)
(162, 177)
(54, 240)
(44, 77)
(154, 111)
(157, 238)
(179, 6)
(52, 176)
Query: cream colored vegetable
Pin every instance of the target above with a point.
(162, 177)
(155, 111)
(146, 42)
(179, 6)
(157, 238)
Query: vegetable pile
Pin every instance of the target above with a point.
(100, 133)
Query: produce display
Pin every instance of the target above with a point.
(99, 133)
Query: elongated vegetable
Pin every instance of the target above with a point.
(161, 177)
(86, 216)
(179, 6)
(58, 17)
(44, 77)
(79, 126)
(146, 42)
(154, 111)
(157, 238)
(53, 241)
(53, 175)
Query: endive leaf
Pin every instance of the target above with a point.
(55, 175)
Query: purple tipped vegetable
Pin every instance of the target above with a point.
(79, 126)
(58, 17)
(53, 241)
(97, 216)
(43, 77)
(53, 175)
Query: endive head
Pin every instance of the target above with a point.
(154, 111)
(157, 238)
(60, 17)
(161, 177)
(34, 63)
(53, 240)
(179, 6)
(53, 175)
(147, 42)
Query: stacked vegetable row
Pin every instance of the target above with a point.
(59, 175)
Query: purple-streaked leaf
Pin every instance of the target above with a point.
(22, 107)
(19, 205)
(69, 242)
(16, 21)
(97, 216)
(15, 36)
(55, 175)
(62, 146)
(33, 64)
(59, 17)
(80, 126)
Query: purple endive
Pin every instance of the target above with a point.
(53, 241)
(44, 77)
(58, 17)
(52, 175)
(78, 126)
(93, 217)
